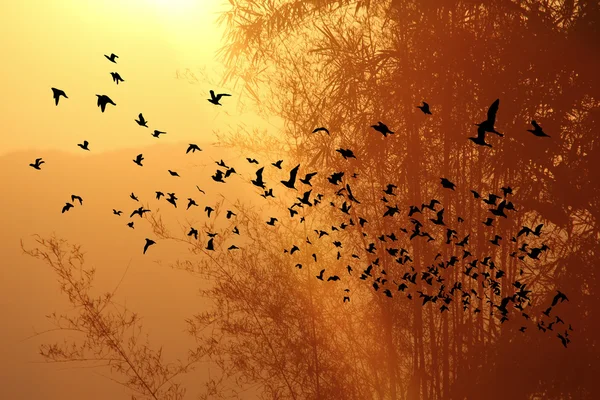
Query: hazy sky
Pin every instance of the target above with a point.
(61, 43)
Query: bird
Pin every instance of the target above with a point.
(141, 121)
(193, 232)
(118, 213)
(138, 160)
(67, 207)
(559, 297)
(346, 153)
(208, 210)
(440, 218)
(290, 183)
(214, 99)
(192, 147)
(84, 145)
(321, 129)
(390, 189)
(116, 77)
(488, 124)
(218, 176)
(134, 197)
(230, 214)
(112, 57)
(252, 160)
(191, 202)
(277, 164)
(307, 178)
(56, 93)
(259, 180)
(425, 108)
(210, 245)
(229, 172)
(447, 184)
(272, 221)
(157, 133)
(488, 221)
(149, 242)
(140, 211)
(172, 199)
(130, 224)
(320, 276)
(78, 198)
(103, 100)
(158, 194)
(382, 128)
(537, 131)
(38, 162)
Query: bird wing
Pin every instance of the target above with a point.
(491, 115)
(212, 94)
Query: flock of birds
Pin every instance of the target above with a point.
(424, 221)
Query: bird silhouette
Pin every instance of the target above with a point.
(272, 221)
(346, 153)
(140, 211)
(112, 57)
(84, 145)
(157, 133)
(229, 172)
(440, 218)
(38, 162)
(78, 198)
(320, 276)
(134, 197)
(118, 213)
(138, 160)
(425, 108)
(488, 124)
(277, 164)
(158, 194)
(116, 77)
(252, 160)
(173, 173)
(192, 147)
(218, 176)
(214, 99)
(67, 207)
(447, 184)
(560, 296)
(208, 210)
(191, 202)
(259, 180)
(290, 183)
(537, 131)
(382, 128)
(480, 138)
(193, 232)
(141, 121)
(103, 100)
(149, 242)
(130, 224)
(321, 129)
(307, 178)
(56, 93)
(210, 245)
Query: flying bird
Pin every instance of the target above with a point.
(103, 100)
(134, 197)
(214, 99)
(425, 108)
(192, 147)
(56, 93)
(67, 207)
(84, 145)
(447, 184)
(259, 180)
(116, 77)
(537, 131)
(321, 129)
(290, 183)
(38, 163)
(149, 242)
(78, 198)
(346, 153)
(118, 213)
(112, 57)
(382, 128)
(141, 121)
(488, 124)
(173, 173)
(157, 133)
(307, 178)
(138, 160)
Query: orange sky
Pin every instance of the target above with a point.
(61, 43)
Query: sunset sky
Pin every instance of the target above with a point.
(62, 44)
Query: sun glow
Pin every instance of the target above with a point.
(176, 6)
